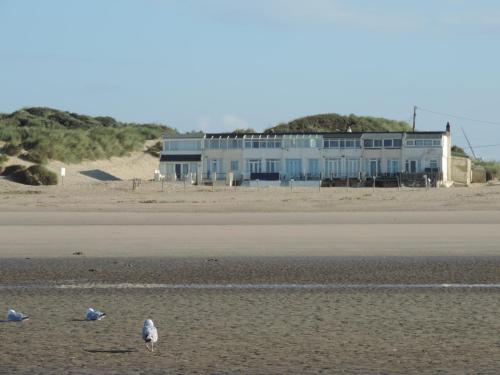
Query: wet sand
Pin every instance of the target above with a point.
(347, 320)
(376, 330)
(373, 300)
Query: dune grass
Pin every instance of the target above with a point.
(46, 133)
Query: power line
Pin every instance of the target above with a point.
(459, 117)
(483, 146)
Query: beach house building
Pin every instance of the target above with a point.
(278, 157)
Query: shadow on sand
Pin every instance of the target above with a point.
(100, 175)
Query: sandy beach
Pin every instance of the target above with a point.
(250, 282)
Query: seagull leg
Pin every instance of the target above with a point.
(152, 346)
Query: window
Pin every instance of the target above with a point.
(352, 167)
(234, 165)
(214, 166)
(433, 164)
(182, 145)
(314, 167)
(392, 166)
(388, 143)
(412, 166)
(424, 142)
(396, 143)
(272, 165)
(377, 143)
(368, 143)
(332, 168)
(253, 166)
(214, 143)
(235, 143)
(293, 168)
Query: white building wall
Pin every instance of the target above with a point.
(423, 155)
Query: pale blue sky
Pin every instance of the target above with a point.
(220, 64)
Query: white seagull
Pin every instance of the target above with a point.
(94, 314)
(149, 333)
(13, 316)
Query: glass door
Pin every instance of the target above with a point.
(332, 168)
(373, 167)
(353, 167)
(293, 168)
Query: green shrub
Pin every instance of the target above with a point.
(39, 175)
(12, 149)
(11, 169)
(34, 175)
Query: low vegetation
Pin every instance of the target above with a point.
(155, 149)
(34, 175)
(46, 133)
(333, 122)
(12, 149)
(491, 167)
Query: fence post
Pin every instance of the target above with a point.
(291, 184)
(374, 178)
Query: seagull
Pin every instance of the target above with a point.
(149, 333)
(94, 314)
(13, 316)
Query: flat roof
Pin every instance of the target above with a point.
(324, 134)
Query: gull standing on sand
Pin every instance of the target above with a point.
(94, 314)
(13, 316)
(149, 333)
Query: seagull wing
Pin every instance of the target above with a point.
(154, 334)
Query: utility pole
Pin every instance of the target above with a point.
(414, 116)
(470, 146)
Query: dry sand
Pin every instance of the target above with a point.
(326, 239)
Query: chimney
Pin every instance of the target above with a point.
(349, 130)
(448, 127)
